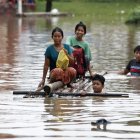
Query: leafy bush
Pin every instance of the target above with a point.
(134, 16)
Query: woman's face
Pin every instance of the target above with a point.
(80, 32)
(97, 86)
(57, 37)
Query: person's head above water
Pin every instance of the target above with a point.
(98, 83)
(137, 53)
(99, 78)
(137, 49)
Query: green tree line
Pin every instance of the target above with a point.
(100, 0)
(92, 0)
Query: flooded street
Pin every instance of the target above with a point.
(23, 42)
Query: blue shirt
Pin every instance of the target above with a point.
(52, 54)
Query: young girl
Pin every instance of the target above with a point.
(51, 55)
(80, 31)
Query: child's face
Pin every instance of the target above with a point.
(97, 86)
(80, 32)
(137, 55)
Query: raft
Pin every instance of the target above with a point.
(80, 88)
(43, 94)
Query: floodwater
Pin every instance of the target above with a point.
(22, 45)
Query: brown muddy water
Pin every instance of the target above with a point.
(22, 45)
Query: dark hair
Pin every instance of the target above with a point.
(137, 48)
(57, 29)
(82, 25)
(99, 78)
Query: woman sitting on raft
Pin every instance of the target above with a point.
(51, 55)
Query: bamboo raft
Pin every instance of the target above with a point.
(43, 94)
(57, 88)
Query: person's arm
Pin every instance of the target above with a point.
(45, 70)
(88, 55)
(126, 70)
(90, 70)
(69, 54)
(88, 52)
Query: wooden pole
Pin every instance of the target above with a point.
(19, 12)
(42, 93)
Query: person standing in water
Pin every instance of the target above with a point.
(133, 65)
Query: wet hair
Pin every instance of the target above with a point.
(81, 24)
(137, 48)
(99, 78)
(57, 29)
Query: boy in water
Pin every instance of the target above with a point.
(98, 83)
(133, 65)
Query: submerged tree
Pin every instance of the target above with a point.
(48, 5)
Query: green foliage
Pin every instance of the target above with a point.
(107, 10)
(94, 0)
(134, 16)
(40, 5)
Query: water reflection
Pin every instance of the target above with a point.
(135, 83)
(60, 108)
(9, 41)
(23, 42)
